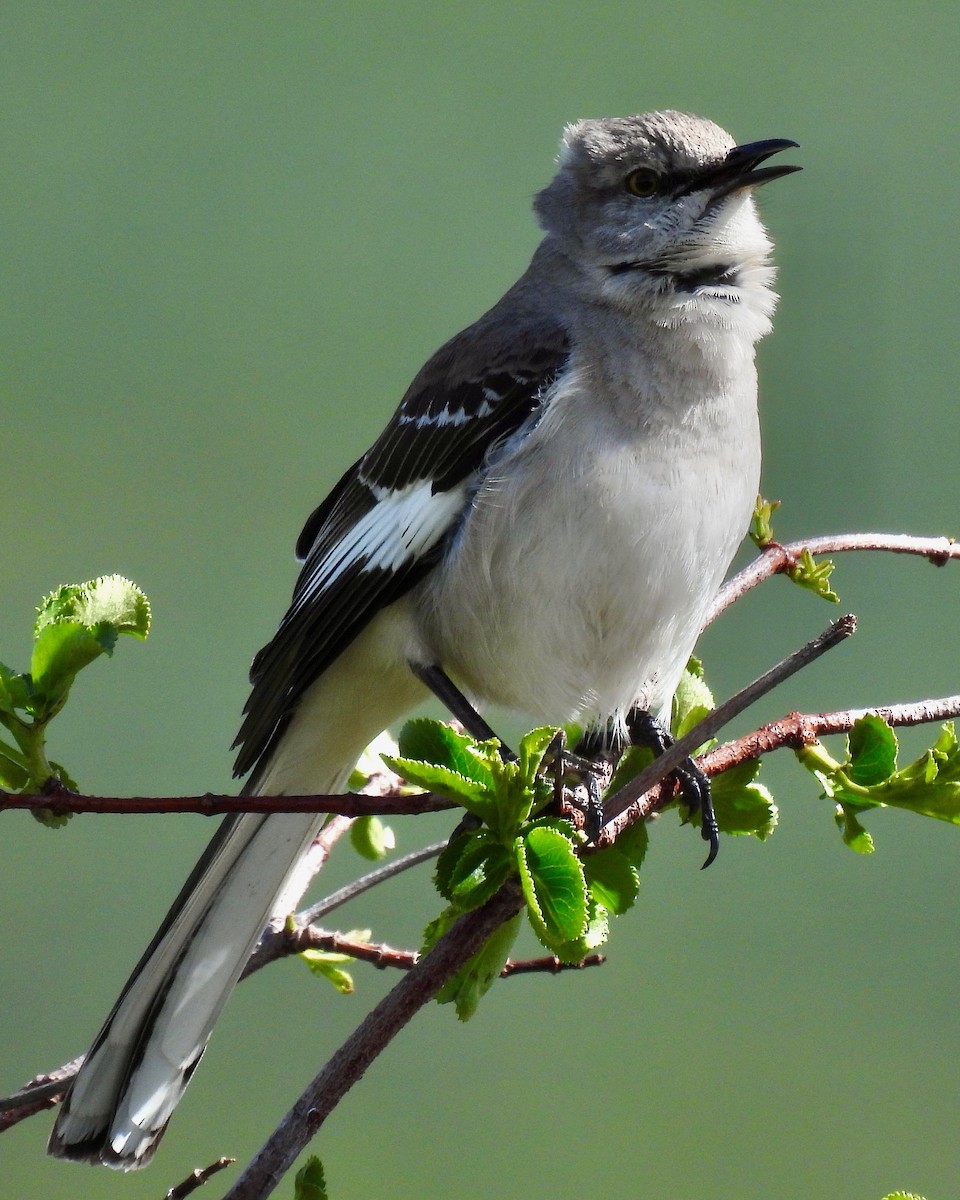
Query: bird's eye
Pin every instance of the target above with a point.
(643, 182)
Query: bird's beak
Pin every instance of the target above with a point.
(739, 169)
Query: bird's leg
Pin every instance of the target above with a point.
(586, 771)
(447, 692)
(644, 729)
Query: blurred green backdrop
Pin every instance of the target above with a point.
(230, 234)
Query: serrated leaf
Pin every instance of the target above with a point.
(872, 748)
(371, 838)
(15, 690)
(633, 843)
(48, 818)
(59, 652)
(594, 935)
(436, 928)
(902, 1196)
(370, 765)
(692, 700)
(533, 746)
(553, 884)
(853, 833)
(310, 1182)
(428, 741)
(474, 796)
(75, 625)
(467, 987)
(611, 880)
(325, 965)
(109, 601)
(479, 872)
(449, 856)
(742, 806)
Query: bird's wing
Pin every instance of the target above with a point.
(386, 521)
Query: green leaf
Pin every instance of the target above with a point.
(633, 843)
(428, 741)
(533, 746)
(310, 1183)
(872, 749)
(15, 690)
(75, 625)
(325, 964)
(553, 884)
(481, 870)
(814, 576)
(60, 651)
(370, 766)
(436, 928)
(902, 1196)
(371, 838)
(475, 797)
(13, 776)
(741, 805)
(466, 988)
(853, 833)
(448, 858)
(761, 528)
(594, 935)
(613, 882)
(107, 603)
(692, 700)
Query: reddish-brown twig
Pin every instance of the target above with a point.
(777, 558)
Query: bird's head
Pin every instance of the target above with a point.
(661, 205)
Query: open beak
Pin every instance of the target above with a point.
(739, 169)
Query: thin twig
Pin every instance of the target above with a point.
(43, 1091)
(273, 944)
(617, 812)
(349, 1063)
(61, 801)
(197, 1179)
(380, 955)
(777, 558)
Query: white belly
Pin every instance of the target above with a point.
(579, 581)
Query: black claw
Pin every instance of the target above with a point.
(645, 730)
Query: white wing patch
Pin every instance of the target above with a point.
(448, 416)
(404, 524)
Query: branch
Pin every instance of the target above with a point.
(803, 729)
(378, 954)
(42, 1092)
(61, 800)
(348, 1064)
(197, 1179)
(632, 803)
(776, 559)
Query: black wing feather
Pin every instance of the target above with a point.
(454, 412)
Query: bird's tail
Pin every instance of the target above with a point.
(143, 1058)
(136, 1071)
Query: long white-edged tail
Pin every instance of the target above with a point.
(137, 1069)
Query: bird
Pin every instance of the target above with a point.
(541, 525)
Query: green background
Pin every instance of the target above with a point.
(231, 232)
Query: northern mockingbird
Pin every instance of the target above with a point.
(545, 519)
